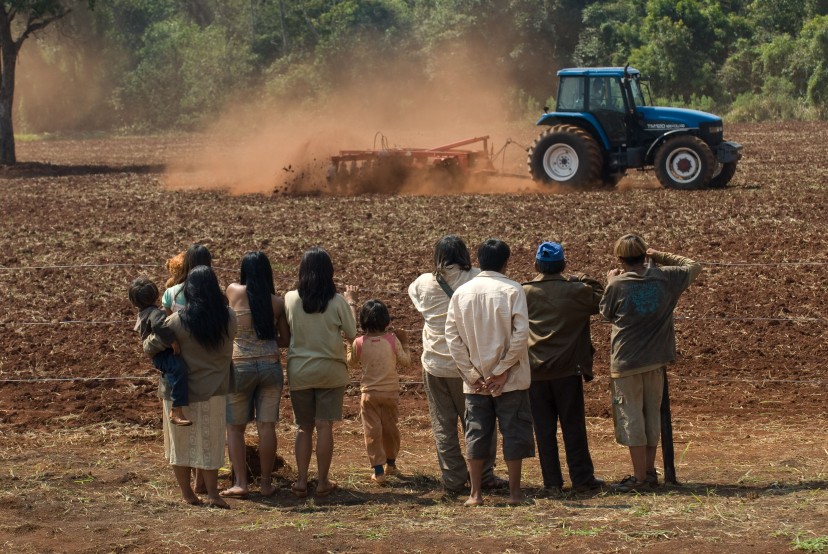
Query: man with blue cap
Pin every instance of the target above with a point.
(560, 356)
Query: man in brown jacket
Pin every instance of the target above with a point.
(560, 355)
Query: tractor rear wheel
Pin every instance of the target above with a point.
(721, 180)
(684, 162)
(567, 155)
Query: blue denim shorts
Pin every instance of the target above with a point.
(257, 391)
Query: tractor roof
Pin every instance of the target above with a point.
(597, 71)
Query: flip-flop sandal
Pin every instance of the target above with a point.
(299, 492)
(326, 492)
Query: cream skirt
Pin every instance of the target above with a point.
(201, 444)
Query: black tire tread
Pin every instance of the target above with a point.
(700, 146)
(594, 164)
(721, 180)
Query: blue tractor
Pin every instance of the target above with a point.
(604, 125)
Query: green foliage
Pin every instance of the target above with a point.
(811, 544)
(184, 74)
(777, 101)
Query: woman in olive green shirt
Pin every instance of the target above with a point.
(316, 369)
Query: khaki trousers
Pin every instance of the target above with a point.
(380, 412)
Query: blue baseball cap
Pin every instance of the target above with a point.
(550, 252)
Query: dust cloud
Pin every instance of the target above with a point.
(47, 95)
(258, 147)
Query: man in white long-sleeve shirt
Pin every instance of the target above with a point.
(487, 329)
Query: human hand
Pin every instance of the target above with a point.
(613, 274)
(402, 335)
(479, 385)
(351, 294)
(495, 383)
(176, 348)
(651, 251)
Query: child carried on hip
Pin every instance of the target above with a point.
(143, 294)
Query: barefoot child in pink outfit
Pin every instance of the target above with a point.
(379, 351)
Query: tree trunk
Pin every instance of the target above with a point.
(8, 59)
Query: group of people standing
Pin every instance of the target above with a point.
(494, 352)
(498, 352)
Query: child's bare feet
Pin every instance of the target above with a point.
(192, 499)
(177, 417)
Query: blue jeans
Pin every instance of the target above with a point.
(175, 371)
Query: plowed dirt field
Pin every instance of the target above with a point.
(81, 450)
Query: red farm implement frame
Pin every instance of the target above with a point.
(392, 165)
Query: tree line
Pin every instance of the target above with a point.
(171, 64)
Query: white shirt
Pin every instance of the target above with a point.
(487, 331)
(432, 302)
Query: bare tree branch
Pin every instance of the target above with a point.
(32, 26)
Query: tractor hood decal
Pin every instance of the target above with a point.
(667, 119)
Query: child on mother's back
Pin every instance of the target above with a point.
(379, 351)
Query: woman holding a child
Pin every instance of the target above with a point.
(204, 330)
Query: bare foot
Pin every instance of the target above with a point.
(327, 488)
(473, 501)
(193, 500)
(234, 492)
(177, 417)
(517, 500)
(217, 503)
(298, 490)
(267, 489)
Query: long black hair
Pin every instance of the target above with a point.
(206, 316)
(451, 250)
(316, 285)
(196, 255)
(257, 277)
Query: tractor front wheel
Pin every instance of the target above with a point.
(684, 162)
(567, 155)
(724, 176)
